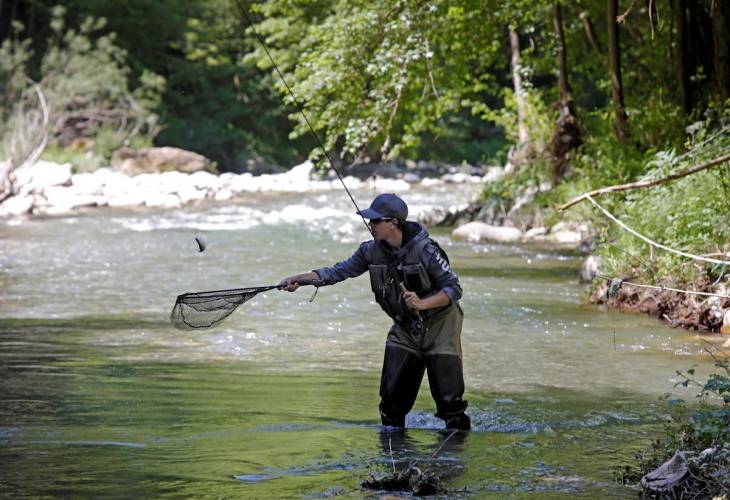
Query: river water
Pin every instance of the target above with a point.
(100, 396)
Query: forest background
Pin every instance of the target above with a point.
(570, 96)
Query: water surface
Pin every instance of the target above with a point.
(100, 396)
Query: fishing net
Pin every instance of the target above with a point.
(200, 310)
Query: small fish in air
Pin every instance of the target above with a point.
(201, 242)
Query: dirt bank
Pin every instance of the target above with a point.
(693, 312)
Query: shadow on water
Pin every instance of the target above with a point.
(82, 323)
(94, 427)
(553, 274)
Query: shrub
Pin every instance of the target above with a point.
(85, 80)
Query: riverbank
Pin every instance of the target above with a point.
(708, 313)
(48, 188)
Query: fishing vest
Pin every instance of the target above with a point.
(386, 274)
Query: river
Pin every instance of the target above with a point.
(100, 396)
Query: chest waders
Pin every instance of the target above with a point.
(429, 342)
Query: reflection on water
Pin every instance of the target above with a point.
(100, 396)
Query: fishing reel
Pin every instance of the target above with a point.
(417, 326)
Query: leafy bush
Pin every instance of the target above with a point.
(85, 81)
(702, 432)
(689, 214)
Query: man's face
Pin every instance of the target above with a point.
(382, 228)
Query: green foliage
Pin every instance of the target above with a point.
(689, 214)
(701, 431)
(84, 80)
(709, 424)
(538, 119)
(376, 77)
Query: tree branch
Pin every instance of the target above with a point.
(644, 184)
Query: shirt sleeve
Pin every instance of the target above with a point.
(440, 272)
(354, 266)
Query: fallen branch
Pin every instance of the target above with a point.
(36, 152)
(644, 184)
(652, 242)
(19, 156)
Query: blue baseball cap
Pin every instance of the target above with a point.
(386, 205)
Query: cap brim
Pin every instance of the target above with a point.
(369, 213)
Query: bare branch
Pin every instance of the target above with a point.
(36, 152)
(648, 183)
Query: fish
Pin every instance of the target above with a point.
(201, 242)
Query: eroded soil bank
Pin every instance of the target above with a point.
(709, 314)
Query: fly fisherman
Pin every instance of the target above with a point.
(413, 283)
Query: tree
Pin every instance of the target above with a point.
(523, 133)
(721, 36)
(683, 70)
(384, 73)
(83, 91)
(567, 134)
(620, 121)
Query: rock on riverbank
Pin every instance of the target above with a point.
(565, 235)
(50, 188)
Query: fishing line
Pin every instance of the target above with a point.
(300, 108)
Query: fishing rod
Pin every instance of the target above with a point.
(300, 108)
(201, 310)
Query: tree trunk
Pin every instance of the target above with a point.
(567, 134)
(522, 132)
(683, 70)
(721, 38)
(13, 13)
(699, 39)
(591, 32)
(563, 85)
(620, 122)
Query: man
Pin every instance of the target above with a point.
(413, 283)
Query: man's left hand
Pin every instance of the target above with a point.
(413, 301)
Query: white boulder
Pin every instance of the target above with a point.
(389, 185)
(479, 231)
(87, 184)
(535, 233)
(590, 268)
(161, 200)
(206, 180)
(16, 205)
(42, 174)
(61, 199)
(223, 195)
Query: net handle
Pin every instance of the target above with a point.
(229, 291)
(256, 289)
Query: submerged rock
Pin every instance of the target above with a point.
(420, 483)
(667, 476)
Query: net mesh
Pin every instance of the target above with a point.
(193, 311)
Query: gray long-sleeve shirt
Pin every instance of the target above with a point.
(438, 269)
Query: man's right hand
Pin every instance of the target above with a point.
(289, 284)
(292, 283)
